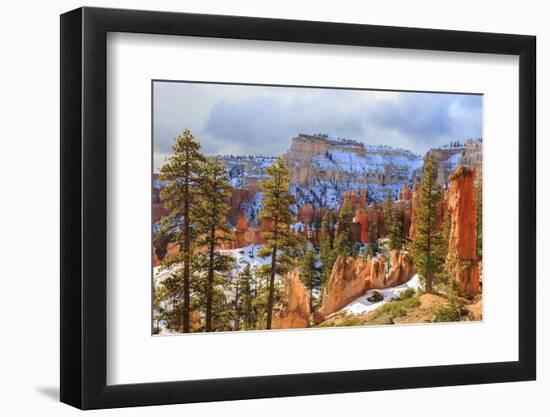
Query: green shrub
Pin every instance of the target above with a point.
(408, 293)
(395, 309)
(448, 313)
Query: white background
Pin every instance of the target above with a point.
(30, 221)
(135, 357)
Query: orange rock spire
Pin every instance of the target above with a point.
(461, 200)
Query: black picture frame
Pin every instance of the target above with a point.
(84, 207)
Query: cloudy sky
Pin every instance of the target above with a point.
(260, 120)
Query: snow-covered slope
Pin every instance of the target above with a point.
(322, 169)
(361, 305)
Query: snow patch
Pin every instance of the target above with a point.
(247, 255)
(361, 305)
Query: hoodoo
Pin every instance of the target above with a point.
(405, 193)
(296, 313)
(351, 278)
(462, 237)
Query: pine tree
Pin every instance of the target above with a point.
(210, 209)
(328, 255)
(344, 244)
(244, 299)
(372, 235)
(428, 247)
(479, 219)
(181, 173)
(309, 275)
(280, 242)
(393, 222)
(168, 303)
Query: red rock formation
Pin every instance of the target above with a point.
(351, 197)
(347, 281)
(172, 249)
(377, 278)
(405, 193)
(414, 207)
(461, 200)
(239, 197)
(362, 219)
(156, 261)
(242, 222)
(306, 213)
(296, 313)
(401, 268)
(351, 278)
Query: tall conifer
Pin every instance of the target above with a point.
(181, 173)
(344, 244)
(280, 241)
(210, 210)
(309, 275)
(428, 247)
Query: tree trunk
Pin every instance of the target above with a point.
(271, 288)
(237, 308)
(210, 282)
(186, 257)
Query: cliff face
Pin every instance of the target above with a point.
(461, 199)
(296, 313)
(473, 156)
(351, 278)
(313, 157)
(448, 158)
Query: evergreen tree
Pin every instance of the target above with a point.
(309, 275)
(280, 242)
(328, 255)
(344, 244)
(168, 303)
(479, 219)
(446, 233)
(372, 235)
(428, 247)
(210, 209)
(244, 299)
(393, 222)
(181, 173)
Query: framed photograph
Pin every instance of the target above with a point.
(257, 208)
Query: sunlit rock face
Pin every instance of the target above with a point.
(461, 200)
(401, 268)
(296, 313)
(351, 278)
(405, 194)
